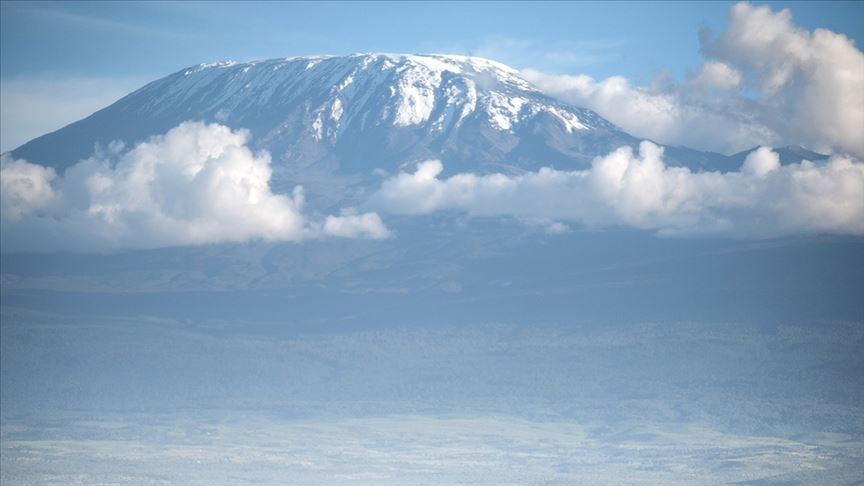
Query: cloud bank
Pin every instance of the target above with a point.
(196, 184)
(809, 89)
(763, 199)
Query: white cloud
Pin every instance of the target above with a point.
(816, 78)
(197, 184)
(671, 116)
(761, 162)
(352, 225)
(639, 190)
(714, 74)
(809, 90)
(24, 188)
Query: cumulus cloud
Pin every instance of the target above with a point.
(761, 162)
(196, 184)
(714, 74)
(671, 115)
(816, 78)
(350, 224)
(24, 188)
(809, 89)
(638, 190)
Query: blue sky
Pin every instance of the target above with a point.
(66, 59)
(637, 40)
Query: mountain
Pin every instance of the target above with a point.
(788, 155)
(349, 114)
(327, 118)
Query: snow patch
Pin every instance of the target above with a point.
(318, 128)
(503, 111)
(336, 110)
(571, 121)
(438, 92)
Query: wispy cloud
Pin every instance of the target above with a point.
(96, 22)
(558, 56)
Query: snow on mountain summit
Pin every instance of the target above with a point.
(403, 90)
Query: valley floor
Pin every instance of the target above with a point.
(239, 448)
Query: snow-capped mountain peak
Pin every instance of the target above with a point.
(435, 91)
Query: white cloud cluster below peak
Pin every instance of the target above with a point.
(763, 199)
(196, 184)
(765, 81)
